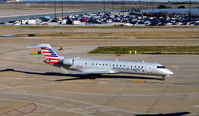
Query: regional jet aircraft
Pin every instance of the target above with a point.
(95, 67)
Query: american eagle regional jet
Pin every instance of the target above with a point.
(95, 67)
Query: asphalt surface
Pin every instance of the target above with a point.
(30, 87)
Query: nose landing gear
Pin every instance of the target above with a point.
(163, 77)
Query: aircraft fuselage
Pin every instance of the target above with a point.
(115, 66)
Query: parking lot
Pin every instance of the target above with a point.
(110, 19)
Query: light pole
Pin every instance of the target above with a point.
(140, 5)
(112, 5)
(123, 7)
(104, 5)
(190, 13)
(152, 4)
(62, 8)
(55, 2)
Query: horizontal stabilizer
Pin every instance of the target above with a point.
(41, 46)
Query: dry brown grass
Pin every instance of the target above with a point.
(117, 35)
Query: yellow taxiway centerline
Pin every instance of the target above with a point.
(13, 106)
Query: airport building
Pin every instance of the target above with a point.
(12, 1)
(3, 1)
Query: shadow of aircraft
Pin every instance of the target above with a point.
(78, 76)
(37, 73)
(169, 114)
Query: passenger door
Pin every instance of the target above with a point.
(150, 69)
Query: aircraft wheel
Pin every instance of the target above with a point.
(163, 78)
(92, 76)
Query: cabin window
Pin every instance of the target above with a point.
(120, 65)
(161, 67)
(106, 64)
(96, 63)
(92, 63)
(85, 63)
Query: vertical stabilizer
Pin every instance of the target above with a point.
(49, 53)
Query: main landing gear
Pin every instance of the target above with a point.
(163, 78)
(94, 76)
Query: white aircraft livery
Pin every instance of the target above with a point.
(95, 67)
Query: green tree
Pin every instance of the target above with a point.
(161, 6)
(181, 7)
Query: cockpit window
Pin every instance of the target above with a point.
(161, 67)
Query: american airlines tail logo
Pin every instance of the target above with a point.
(51, 56)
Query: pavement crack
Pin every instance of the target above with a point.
(157, 100)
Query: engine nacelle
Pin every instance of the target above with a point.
(68, 61)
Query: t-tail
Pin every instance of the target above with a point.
(49, 53)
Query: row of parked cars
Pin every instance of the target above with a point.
(113, 18)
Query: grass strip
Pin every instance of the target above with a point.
(115, 35)
(146, 50)
(158, 37)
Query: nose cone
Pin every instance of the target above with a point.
(170, 72)
(166, 72)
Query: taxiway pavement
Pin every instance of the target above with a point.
(29, 86)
